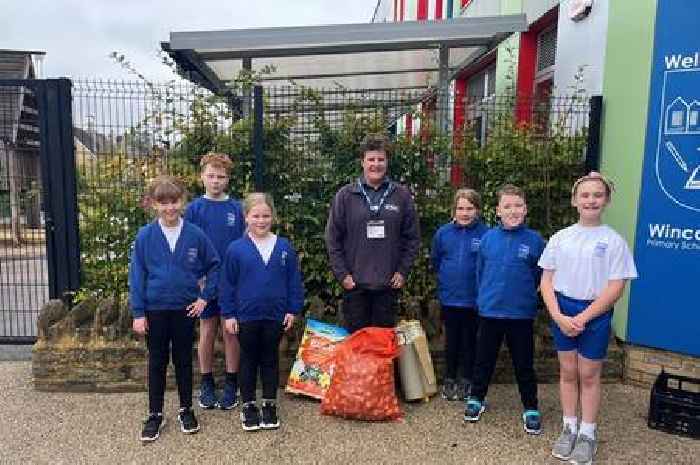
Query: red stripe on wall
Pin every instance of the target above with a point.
(396, 5)
(526, 75)
(402, 8)
(422, 10)
(438, 9)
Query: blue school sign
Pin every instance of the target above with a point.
(664, 306)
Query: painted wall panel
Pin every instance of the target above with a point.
(581, 44)
(534, 9)
(625, 99)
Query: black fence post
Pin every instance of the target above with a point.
(60, 189)
(258, 129)
(595, 116)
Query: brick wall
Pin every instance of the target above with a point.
(643, 364)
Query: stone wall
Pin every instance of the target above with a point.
(643, 364)
(91, 348)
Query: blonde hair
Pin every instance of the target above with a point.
(510, 189)
(166, 188)
(470, 195)
(217, 160)
(594, 176)
(257, 198)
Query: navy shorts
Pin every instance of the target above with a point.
(592, 343)
(211, 310)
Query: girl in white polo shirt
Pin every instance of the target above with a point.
(586, 267)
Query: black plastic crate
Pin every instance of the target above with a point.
(674, 406)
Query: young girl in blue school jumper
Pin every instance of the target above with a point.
(454, 251)
(586, 267)
(169, 259)
(507, 280)
(221, 219)
(260, 293)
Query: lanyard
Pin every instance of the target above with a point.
(375, 208)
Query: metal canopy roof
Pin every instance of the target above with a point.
(399, 55)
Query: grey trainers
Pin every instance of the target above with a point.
(584, 450)
(564, 444)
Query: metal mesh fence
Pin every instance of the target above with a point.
(126, 133)
(23, 269)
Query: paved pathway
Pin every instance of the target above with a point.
(43, 428)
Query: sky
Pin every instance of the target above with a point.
(79, 35)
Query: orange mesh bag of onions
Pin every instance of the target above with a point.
(362, 386)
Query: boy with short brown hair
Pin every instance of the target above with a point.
(221, 219)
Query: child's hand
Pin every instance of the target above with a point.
(196, 308)
(568, 326)
(231, 326)
(348, 283)
(288, 321)
(580, 320)
(140, 325)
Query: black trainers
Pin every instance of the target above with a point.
(152, 426)
(270, 420)
(250, 417)
(188, 422)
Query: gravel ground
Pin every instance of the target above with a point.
(42, 428)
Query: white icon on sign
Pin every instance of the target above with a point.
(683, 117)
(694, 179)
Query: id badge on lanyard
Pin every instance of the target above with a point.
(375, 229)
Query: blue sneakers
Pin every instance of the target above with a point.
(229, 399)
(532, 422)
(207, 395)
(473, 410)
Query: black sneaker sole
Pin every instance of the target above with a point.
(146, 439)
(230, 407)
(190, 430)
(208, 407)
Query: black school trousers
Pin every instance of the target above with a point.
(518, 334)
(461, 326)
(369, 307)
(169, 331)
(260, 341)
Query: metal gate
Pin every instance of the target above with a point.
(38, 223)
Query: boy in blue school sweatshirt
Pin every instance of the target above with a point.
(169, 259)
(221, 219)
(261, 293)
(507, 278)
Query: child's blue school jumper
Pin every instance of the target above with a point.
(454, 251)
(507, 273)
(252, 290)
(221, 220)
(163, 280)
